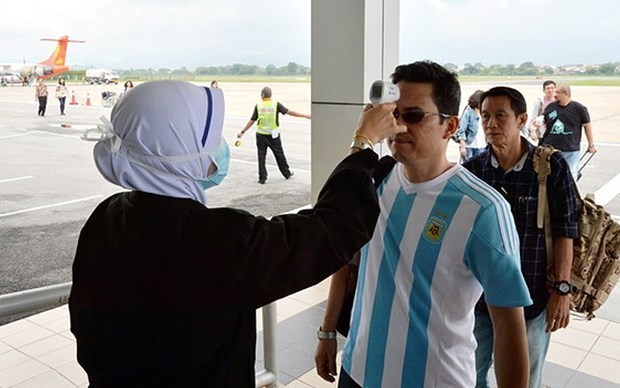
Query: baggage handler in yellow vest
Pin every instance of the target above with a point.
(268, 133)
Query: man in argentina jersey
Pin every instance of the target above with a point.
(442, 238)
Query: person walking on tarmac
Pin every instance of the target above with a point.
(41, 96)
(268, 134)
(61, 95)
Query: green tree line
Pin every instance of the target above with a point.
(237, 69)
(292, 69)
(530, 69)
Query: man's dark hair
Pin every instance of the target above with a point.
(266, 92)
(446, 88)
(517, 101)
(548, 82)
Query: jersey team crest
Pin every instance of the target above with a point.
(434, 230)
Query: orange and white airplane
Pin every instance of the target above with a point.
(27, 73)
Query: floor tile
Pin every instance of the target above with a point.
(4, 347)
(556, 376)
(73, 372)
(21, 372)
(15, 327)
(607, 347)
(601, 367)
(314, 380)
(612, 331)
(595, 326)
(582, 380)
(310, 296)
(45, 346)
(46, 337)
(565, 355)
(28, 336)
(50, 379)
(60, 357)
(59, 325)
(48, 316)
(574, 338)
(68, 335)
(298, 384)
(324, 285)
(290, 307)
(11, 359)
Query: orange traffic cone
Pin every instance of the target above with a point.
(73, 100)
(87, 99)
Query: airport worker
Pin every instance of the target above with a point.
(564, 119)
(508, 166)
(443, 237)
(267, 112)
(41, 96)
(165, 288)
(214, 84)
(536, 127)
(61, 95)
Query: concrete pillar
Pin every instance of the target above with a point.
(354, 42)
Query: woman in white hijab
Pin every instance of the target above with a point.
(165, 288)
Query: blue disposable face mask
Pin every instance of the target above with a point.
(221, 159)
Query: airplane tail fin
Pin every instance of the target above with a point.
(60, 53)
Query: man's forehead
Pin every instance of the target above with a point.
(418, 92)
(496, 101)
(497, 104)
(415, 85)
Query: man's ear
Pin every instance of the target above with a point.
(451, 128)
(522, 120)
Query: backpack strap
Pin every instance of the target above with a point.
(542, 166)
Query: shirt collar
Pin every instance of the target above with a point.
(518, 166)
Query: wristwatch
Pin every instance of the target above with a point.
(362, 142)
(563, 287)
(325, 335)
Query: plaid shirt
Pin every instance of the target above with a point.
(519, 186)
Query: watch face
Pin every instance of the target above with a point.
(564, 287)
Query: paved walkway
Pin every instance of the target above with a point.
(39, 351)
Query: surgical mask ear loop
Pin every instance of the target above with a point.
(106, 131)
(221, 159)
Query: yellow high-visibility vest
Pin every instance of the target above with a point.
(267, 115)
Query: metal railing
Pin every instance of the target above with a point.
(29, 301)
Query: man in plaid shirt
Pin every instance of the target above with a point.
(507, 166)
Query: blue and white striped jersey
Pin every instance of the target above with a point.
(436, 247)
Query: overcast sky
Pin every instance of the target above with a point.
(163, 33)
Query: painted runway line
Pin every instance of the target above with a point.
(16, 179)
(608, 191)
(50, 206)
(16, 135)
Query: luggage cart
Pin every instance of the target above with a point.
(108, 99)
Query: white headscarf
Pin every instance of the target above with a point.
(162, 138)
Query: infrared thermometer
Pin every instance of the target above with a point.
(383, 91)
